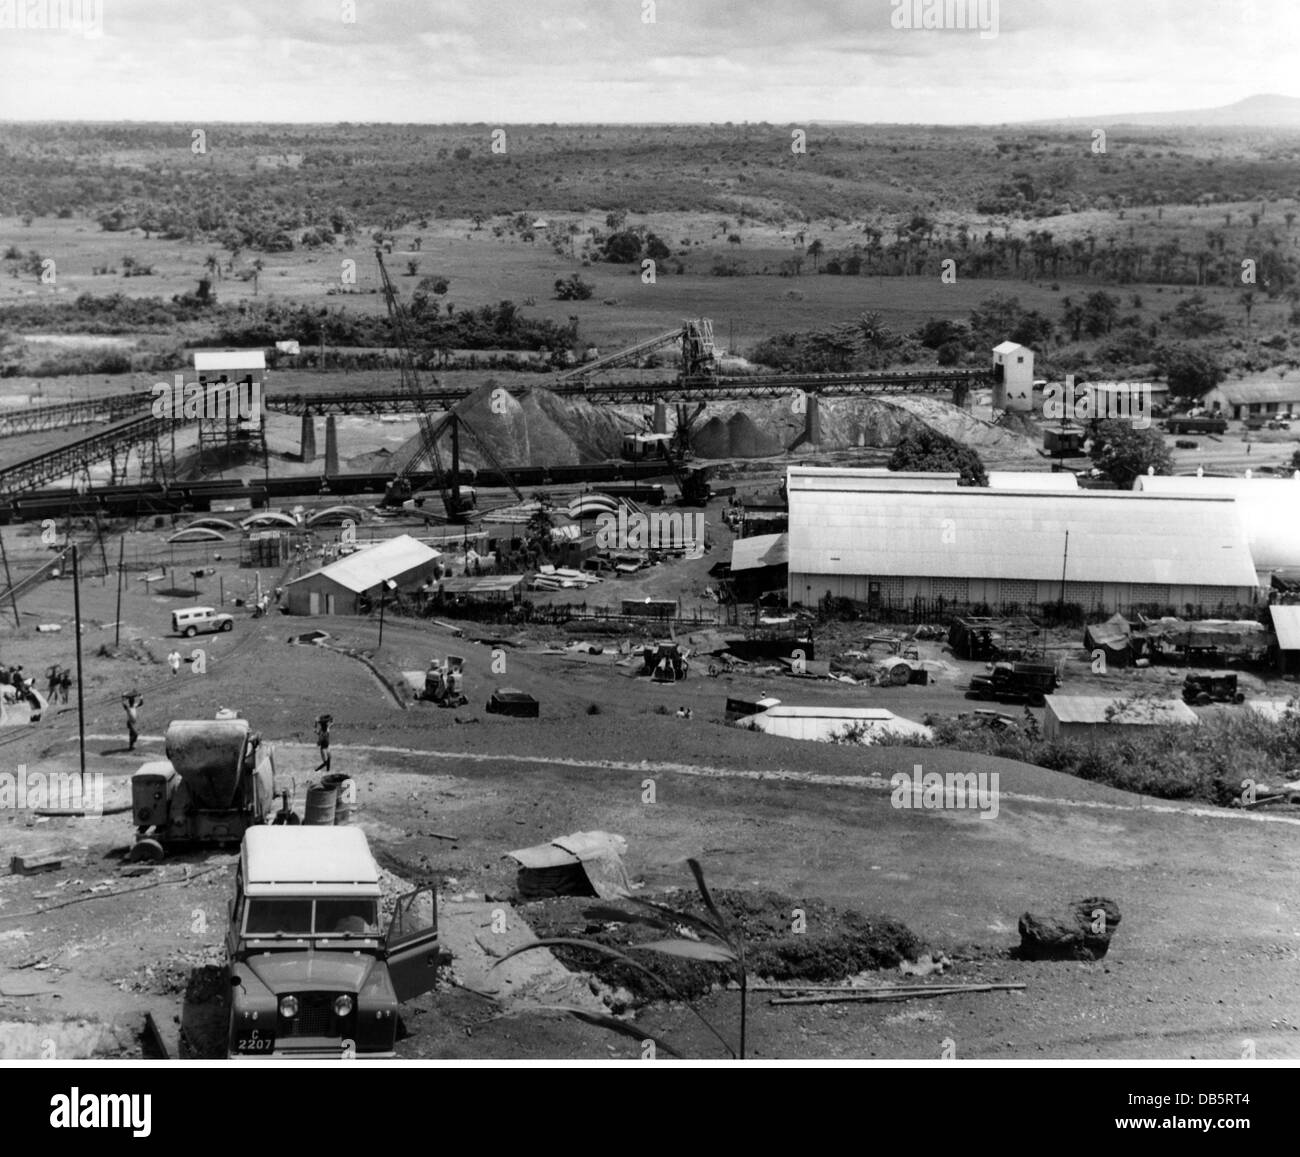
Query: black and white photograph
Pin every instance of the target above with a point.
(650, 532)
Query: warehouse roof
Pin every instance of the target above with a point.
(1286, 624)
(1032, 480)
(1259, 390)
(1094, 708)
(205, 360)
(760, 550)
(1269, 509)
(975, 532)
(372, 565)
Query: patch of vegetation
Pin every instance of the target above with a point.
(1122, 452)
(837, 944)
(1207, 762)
(929, 449)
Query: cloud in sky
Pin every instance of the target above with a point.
(513, 61)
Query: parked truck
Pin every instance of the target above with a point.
(1015, 683)
(1183, 424)
(1203, 690)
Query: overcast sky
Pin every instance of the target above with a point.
(513, 61)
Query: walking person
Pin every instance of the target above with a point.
(53, 675)
(174, 662)
(323, 740)
(132, 702)
(65, 684)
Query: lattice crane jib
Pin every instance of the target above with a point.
(400, 487)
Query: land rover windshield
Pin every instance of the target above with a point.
(292, 918)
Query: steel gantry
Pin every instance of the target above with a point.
(735, 386)
(81, 412)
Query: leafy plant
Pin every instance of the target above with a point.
(716, 941)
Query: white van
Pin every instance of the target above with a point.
(189, 621)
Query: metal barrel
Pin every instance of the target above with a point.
(321, 805)
(345, 801)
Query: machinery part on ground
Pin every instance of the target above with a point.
(511, 701)
(145, 851)
(444, 682)
(665, 663)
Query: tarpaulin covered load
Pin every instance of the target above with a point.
(1243, 637)
(581, 864)
(1115, 638)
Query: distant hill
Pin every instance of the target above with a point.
(1267, 110)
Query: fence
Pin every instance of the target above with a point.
(940, 612)
(557, 614)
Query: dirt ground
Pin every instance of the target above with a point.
(1203, 962)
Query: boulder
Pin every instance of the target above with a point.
(1081, 932)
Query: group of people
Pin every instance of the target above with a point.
(60, 683)
(24, 687)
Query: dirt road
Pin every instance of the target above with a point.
(1203, 962)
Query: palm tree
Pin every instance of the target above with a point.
(815, 250)
(258, 266)
(1247, 300)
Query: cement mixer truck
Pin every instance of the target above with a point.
(217, 781)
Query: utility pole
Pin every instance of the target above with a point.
(117, 626)
(9, 582)
(1065, 559)
(384, 588)
(81, 697)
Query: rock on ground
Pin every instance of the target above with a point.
(1082, 932)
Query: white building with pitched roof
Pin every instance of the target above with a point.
(853, 538)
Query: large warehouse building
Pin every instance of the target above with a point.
(352, 584)
(852, 538)
(1269, 510)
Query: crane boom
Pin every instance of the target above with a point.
(400, 487)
